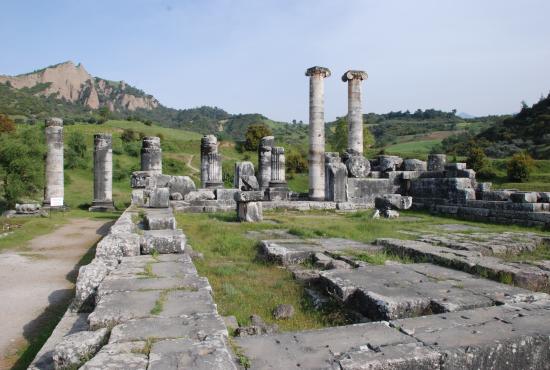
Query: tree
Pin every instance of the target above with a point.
(128, 135)
(6, 124)
(75, 151)
(296, 161)
(253, 135)
(476, 158)
(339, 139)
(22, 164)
(519, 167)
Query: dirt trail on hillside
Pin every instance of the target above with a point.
(39, 281)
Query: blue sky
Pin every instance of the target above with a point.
(480, 57)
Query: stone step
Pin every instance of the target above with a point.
(163, 241)
(407, 290)
(524, 275)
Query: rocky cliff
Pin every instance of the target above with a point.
(73, 83)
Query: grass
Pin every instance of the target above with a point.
(244, 286)
(380, 258)
(541, 252)
(413, 149)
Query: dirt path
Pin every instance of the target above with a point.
(39, 282)
(190, 165)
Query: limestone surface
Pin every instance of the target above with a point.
(75, 348)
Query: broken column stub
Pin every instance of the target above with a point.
(317, 132)
(357, 166)
(436, 162)
(278, 188)
(244, 178)
(336, 175)
(151, 155)
(264, 161)
(211, 163)
(355, 111)
(103, 173)
(54, 187)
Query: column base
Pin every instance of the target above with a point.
(278, 184)
(102, 207)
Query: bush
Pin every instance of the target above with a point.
(253, 135)
(296, 161)
(75, 151)
(128, 135)
(476, 158)
(133, 149)
(486, 173)
(6, 124)
(519, 167)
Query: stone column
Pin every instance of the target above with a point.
(211, 163)
(103, 173)
(355, 111)
(264, 161)
(54, 187)
(278, 171)
(317, 132)
(151, 155)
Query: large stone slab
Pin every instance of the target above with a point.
(194, 327)
(119, 307)
(130, 355)
(163, 241)
(397, 291)
(396, 357)
(316, 349)
(159, 219)
(209, 354)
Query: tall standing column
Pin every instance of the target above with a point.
(103, 173)
(211, 163)
(151, 155)
(264, 161)
(355, 111)
(316, 155)
(54, 190)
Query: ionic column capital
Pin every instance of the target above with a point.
(322, 71)
(354, 75)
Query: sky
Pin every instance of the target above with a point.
(249, 56)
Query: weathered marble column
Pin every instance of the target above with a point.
(264, 161)
(151, 155)
(103, 173)
(316, 156)
(211, 163)
(54, 187)
(355, 111)
(278, 171)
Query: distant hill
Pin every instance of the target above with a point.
(528, 130)
(72, 83)
(465, 115)
(69, 91)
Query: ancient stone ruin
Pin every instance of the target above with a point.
(459, 304)
(103, 173)
(54, 189)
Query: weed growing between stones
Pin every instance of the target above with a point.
(148, 272)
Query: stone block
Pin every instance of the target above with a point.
(358, 166)
(159, 221)
(131, 355)
(249, 196)
(211, 353)
(163, 241)
(397, 357)
(226, 194)
(186, 326)
(278, 194)
(115, 246)
(393, 201)
(524, 197)
(388, 163)
(336, 175)
(138, 197)
(250, 211)
(436, 162)
(365, 190)
(73, 349)
(176, 196)
(87, 282)
(139, 179)
(244, 178)
(414, 165)
(200, 194)
(27, 208)
(496, 195)
(544, 197)
(159, 198)
(181, 184)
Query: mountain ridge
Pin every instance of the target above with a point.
(73, 83)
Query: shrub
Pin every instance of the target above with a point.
(296, 161)
(6, 124)
(486, 173)
(75, 151)
(253, 135)
(519, 167)
(128, 135)
(476, 158)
